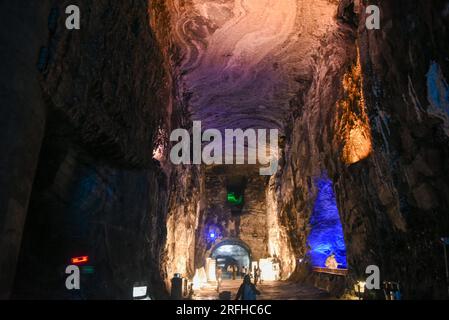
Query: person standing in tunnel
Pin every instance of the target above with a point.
(219, 276)
(234, 271)
(256, 275)
(247, 290)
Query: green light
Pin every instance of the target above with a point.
(233, 199)
(87, 269)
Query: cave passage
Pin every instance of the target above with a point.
(93, 206)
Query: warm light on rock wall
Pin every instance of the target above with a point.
(278, 242)
(180, 242)
(353, 124)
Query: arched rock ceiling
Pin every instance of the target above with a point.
(243, 60)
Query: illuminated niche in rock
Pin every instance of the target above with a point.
(354, 130)
(326, 235)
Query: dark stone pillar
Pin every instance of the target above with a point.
(22, 123)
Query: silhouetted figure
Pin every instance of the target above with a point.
(234, 271)
(191, 292)
(247, 290)
(219, 276)
(256, 275)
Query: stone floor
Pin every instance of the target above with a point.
(272, 290)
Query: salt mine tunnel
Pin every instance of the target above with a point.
(362, 164)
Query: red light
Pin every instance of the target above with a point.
(80, 260)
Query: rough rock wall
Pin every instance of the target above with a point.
(185, 200)
(408, 179)
(308, 148)
(249, 225)
(21, 134)
(98, 190)
(184, 211)
(118, 112)
(278, 241)
(393, 201)
(252, 227)
(82, 206)
(257, 225)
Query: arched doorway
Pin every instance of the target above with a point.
(231, 255)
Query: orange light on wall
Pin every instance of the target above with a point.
(79, 260)
(353, 127)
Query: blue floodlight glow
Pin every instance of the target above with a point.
(326, 236)
(212, 235)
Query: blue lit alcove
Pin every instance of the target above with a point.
(326, 236)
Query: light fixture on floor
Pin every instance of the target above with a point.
(359, 288)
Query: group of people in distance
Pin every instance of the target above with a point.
(248, 289)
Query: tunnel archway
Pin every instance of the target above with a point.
(231, 252)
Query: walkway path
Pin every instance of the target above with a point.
(272, 290)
